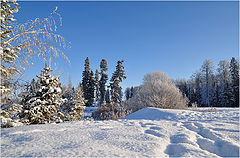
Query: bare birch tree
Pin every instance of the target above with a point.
(20, 43)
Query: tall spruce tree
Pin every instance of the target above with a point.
(115, 81)
(97, 87)
(86, 80)
(103, 80)
(234, 70)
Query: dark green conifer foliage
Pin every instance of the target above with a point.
(85, 80)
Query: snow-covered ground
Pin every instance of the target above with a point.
(148, 132)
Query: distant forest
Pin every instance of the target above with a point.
(209, 86)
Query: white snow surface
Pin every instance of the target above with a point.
(149, 132)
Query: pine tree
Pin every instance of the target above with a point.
(103, 79)
(234, 69)
(97, 87)
(44, 104)
(115, 81)
(8, 53)
(85, 79)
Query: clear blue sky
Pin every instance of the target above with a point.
(173, 37)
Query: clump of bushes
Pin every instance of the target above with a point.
(110, 111)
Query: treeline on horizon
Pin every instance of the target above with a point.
(209, 86)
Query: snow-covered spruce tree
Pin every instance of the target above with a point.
(157, 90)
(115, 81)
(76, 106)
(9, 115)
(103, 80)
(97, 87)
(234, 70)
(44, 104)
(86, 81)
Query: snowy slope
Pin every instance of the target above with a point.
(147, 132)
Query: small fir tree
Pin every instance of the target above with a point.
(75, 111)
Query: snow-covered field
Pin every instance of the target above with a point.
(148, 132)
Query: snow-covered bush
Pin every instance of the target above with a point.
(42, 105)
(74, 109)
(110, 111)
(9, 115)
(157, 90)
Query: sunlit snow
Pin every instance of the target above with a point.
(147, 132)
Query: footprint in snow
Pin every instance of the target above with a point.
(155, 128)
(154, 133)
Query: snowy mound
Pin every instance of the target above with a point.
(153, 114)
